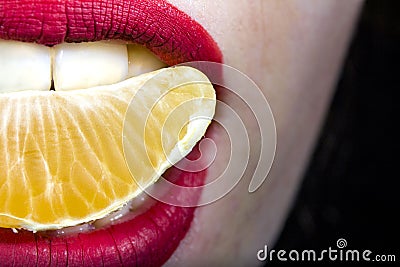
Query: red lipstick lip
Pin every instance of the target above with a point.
(151, 238)
(169, 33)
(147, 240)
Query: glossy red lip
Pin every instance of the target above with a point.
(166, 31)
(147, 240)
(151, 238)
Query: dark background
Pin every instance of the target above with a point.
(351, 186)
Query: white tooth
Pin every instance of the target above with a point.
(84, 65)
(24, 66)
(141, 60)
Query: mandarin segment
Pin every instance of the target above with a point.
(65, 156)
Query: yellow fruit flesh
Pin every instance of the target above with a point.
(62, 158)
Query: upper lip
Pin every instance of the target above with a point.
(174, 37)
(170, 34)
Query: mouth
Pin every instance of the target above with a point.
(143, 238)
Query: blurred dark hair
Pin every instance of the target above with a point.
(351, 186)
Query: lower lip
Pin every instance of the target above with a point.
(147, 240)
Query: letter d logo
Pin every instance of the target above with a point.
(262, 254)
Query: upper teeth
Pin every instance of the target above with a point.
(84, 65)
(24, 66)
(29, 66)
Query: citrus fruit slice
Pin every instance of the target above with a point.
(63, 154)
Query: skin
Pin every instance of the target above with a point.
(293, 50)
